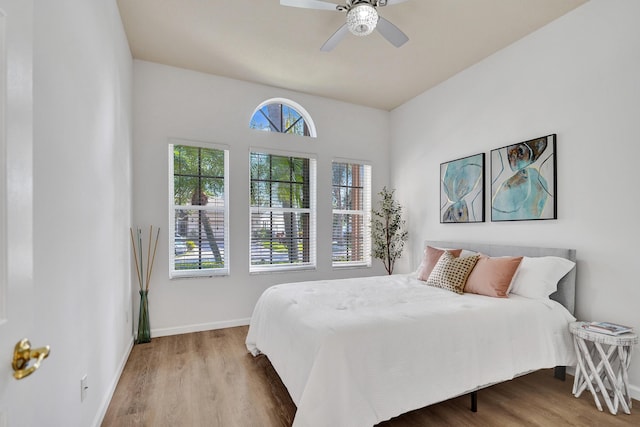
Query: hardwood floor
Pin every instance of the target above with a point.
(209, 379)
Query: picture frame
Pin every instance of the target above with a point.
(523, 181)
(462, 190)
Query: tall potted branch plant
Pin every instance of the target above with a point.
(387, 230)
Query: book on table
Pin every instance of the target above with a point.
(607, 328)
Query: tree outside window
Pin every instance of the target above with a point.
(199, 240)
(282, 211)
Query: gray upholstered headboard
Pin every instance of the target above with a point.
(566, 293)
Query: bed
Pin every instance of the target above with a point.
(355, 352)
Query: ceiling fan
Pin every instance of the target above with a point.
(362, 19)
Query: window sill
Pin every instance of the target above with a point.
(350, 266)
(194, 274)
(281, 269)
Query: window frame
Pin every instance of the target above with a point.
(291, 104)
(206, 272)
(365, 213)
(312, 210)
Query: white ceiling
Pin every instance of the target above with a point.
(260, 41)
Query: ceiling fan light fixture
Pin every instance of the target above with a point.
(362, 19)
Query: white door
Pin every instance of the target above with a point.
(16, 208)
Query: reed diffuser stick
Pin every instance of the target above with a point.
(144, 275)
(155, 247)
(149, 256)
(135, 256)
(141, 259)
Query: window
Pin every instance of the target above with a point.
(282, 212)
(198, 200)
(351, 243)
(283, 116)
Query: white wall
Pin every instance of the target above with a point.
(577, 77)
(175, 103)
(82, 205)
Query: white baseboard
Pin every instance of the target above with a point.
(102, 410)
(163, 332)
(634, 391)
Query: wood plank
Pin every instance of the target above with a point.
(209, 379)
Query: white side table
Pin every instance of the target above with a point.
(604, 360)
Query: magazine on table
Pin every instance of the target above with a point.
(607, 328)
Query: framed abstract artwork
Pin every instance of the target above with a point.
(523, 180)
(462, 190)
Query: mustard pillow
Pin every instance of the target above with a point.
(451, 273)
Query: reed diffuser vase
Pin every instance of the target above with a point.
(144, 277)
(144, 329)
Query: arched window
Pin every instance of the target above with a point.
(283, 116)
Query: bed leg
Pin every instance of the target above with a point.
(560, 372)
(474, 401)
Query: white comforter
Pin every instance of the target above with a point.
(356, 352)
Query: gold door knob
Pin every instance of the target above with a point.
(22, 354)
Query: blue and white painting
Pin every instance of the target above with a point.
(523, 180)
(462, 190)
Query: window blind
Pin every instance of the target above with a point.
(198, 241)
(351, 200)
(282, 213)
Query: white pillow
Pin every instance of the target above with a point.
(418, 271)
(466, 253)
(538, 277)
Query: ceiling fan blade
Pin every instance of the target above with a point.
(392, 2)
(309, 4)
(335, 38)
(392, 33)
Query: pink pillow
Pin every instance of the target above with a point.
(431, 257)
(492, 276)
